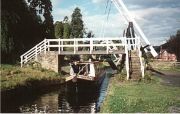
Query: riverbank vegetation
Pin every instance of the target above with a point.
(14, 77)
(145, 96)
(165, 65)
(149, 95)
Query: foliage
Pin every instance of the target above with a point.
(22, 27)
(18, 24)
(44, 8)
(172, 45)
(67, 30)
(63, 29)
(133, 97)
(14, 76)
(77, 26)
(164, 66)
(89, 34)
(59, 29)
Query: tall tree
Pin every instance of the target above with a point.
(18, 24)
(67, 28)
(172, 45)
(77, 26)
(59, 29)
(44, 8)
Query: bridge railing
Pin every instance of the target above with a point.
(90, 44)
(33, 52)
(133, 44)
(140, 57)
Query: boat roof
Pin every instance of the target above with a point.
(86, 62)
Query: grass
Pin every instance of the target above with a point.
(144, 96)
(15, 76)
(166, 66)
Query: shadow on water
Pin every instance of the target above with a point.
(81, 97)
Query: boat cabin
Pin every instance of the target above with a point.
(86, 70)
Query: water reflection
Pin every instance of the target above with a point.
(66, 100)
(82, 97)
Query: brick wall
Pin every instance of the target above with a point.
(50, 60)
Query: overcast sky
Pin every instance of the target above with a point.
(158, 18)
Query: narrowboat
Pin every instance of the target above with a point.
(91, 71)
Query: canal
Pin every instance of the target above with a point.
(67, 98)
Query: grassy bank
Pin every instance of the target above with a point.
(165, 66)
(145, 96)
(15, 76)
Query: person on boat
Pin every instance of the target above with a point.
(75, 67)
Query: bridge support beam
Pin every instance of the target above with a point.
(51, 60)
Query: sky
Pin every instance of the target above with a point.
(157, 18)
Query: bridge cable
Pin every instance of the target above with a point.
(107, 19)
(106, 6)
(102, 27)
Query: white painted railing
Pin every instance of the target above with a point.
(91, 43)
(75, 44)
(33, 52)
(140, 57)
(133, 44)
(127, 61)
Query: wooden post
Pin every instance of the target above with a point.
(48, 45)
(59, 44)
(21, 61)
(45, 41)
(77, 49)
(40, 48)
(74, 46)
(26, 59)
(127, 59)
(107, 46)
(62, 45)
(36, 52)
(91, 46)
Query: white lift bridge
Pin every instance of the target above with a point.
(133, 40)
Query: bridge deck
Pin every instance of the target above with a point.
(88, 52)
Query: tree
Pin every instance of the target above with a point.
(18, 23)
(59, 29)
(90, 34)
(67, 28)
(172, 45)
(44, 8)
(77, 25)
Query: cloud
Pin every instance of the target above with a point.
(97, 1)
(56, 3)
(60, 13)
(158, 18)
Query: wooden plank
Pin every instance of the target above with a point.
(88, 52)
(86, 78)
(69, 78)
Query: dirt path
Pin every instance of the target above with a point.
(171, 78)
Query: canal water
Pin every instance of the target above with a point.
(67, 98)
